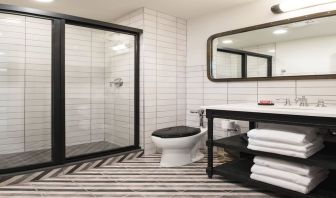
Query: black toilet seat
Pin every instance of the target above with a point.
(176, 132)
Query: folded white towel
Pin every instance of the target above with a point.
(286, 184)
(289, 137)
(279, 145)
(291, 167)
(287, 176)
(305, 155)
(284, 127)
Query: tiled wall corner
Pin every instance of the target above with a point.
(163, 60)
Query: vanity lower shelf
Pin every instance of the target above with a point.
(325, 158)
(239, 170)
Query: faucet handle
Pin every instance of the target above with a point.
(303, 101)
(321, 103)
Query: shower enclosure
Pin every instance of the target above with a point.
(69, 89)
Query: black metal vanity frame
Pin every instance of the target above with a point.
(239, 169)
(59, 21)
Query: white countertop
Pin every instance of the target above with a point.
(277, 109)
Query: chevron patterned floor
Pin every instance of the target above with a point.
(139, 177)
(44, 155)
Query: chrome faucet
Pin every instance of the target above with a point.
(200, 113)
(320, 103)
(287, 101)
(302, 101)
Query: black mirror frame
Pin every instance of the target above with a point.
(262, 26)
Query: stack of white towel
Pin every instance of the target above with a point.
(301, 142)
(289, 175)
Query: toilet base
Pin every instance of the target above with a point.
(180, 151)
(179, 157)
(175, 157)
(198, 157)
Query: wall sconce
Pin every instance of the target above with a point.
(291, 5)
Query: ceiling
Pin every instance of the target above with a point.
(108, 10)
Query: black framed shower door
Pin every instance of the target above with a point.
(58, 117)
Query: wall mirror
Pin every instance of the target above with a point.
(298, 48)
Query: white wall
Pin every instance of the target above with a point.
(162, 71)
(257, 12)
(166, 78)
(201, 91)
(309, 56)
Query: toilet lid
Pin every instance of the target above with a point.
(176, 132)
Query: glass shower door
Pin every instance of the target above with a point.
(99, 90)
(25, 90)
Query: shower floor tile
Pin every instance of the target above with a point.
(44, 155)
(139, 177)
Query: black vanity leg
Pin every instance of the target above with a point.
(252, 125)
(210, 148)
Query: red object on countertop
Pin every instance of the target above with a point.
(265, 102)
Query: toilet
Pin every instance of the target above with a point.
(180, 145)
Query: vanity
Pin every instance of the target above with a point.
(239, 169)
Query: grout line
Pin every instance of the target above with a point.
(24, 89)
(296, 89)
(257, 91)
(91, 91)
(104, 86)
(156, 69)
(176, 76)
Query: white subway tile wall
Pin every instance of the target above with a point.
(97, 110)
(163, 75)
(257, 67)
(201, 91)
(25, 83)
(135, 19)
(38, 84)
(227, 65)
(78, 61)
(119, 101)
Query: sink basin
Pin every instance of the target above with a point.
(277, 109)
(291, 107)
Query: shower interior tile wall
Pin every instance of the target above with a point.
(95, 109)
(84, 79)
(119, 102)
(25, 76)
(162, 71)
